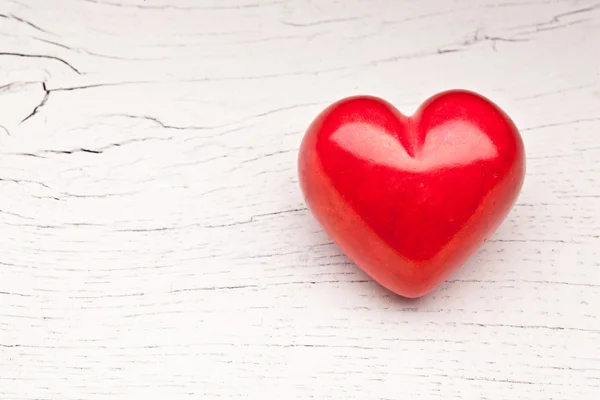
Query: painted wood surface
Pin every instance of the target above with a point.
(154, 242)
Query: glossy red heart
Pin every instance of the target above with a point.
(410, 199)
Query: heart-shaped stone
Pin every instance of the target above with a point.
(409, 199)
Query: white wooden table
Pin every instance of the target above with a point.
(154, 242)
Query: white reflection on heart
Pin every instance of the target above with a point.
(453, 143)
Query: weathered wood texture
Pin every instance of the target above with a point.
(154, 242)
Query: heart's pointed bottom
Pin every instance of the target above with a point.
(410, 200)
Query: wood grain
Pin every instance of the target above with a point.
(153, 238)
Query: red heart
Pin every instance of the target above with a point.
(410, 198)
